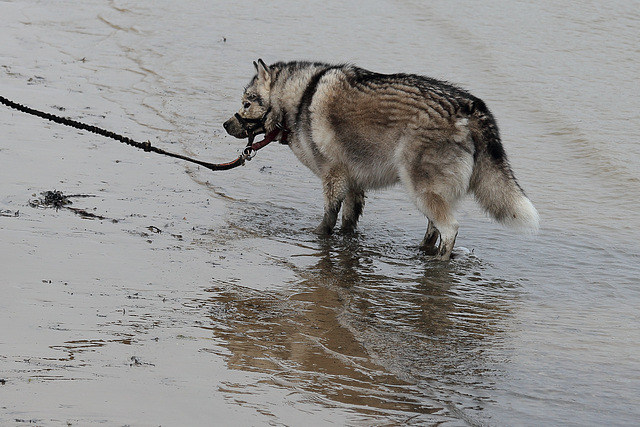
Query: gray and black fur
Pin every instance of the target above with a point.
(359, 130)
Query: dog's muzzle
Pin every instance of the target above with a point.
(242, 127)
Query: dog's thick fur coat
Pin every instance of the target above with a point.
(359, 130)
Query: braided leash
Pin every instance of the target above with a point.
(247, 154)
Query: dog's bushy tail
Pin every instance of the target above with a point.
(492, 181)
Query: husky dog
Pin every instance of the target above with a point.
(359, 130)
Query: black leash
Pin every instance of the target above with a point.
(248, 152)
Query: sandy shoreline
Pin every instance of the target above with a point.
(95, 311)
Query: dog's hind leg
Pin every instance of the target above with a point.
(428, 244)
(436, 196)
(441, 222)
(352, 209)
(448, 234)
(335, 189)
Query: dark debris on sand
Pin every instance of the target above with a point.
(58, 200)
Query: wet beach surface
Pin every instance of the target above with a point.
(166, 294)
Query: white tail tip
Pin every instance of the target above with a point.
(524, 218)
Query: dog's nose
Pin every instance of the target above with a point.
(225, 125)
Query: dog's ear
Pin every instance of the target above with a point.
(264, 74)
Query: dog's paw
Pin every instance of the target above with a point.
(323, 230)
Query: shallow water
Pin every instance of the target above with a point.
(204, 296)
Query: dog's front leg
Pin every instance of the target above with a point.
(335, 188)
(352, 209)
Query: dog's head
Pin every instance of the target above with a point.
(254, 116)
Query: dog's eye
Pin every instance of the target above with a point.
(247, 105)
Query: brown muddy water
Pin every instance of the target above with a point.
(194, 298)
